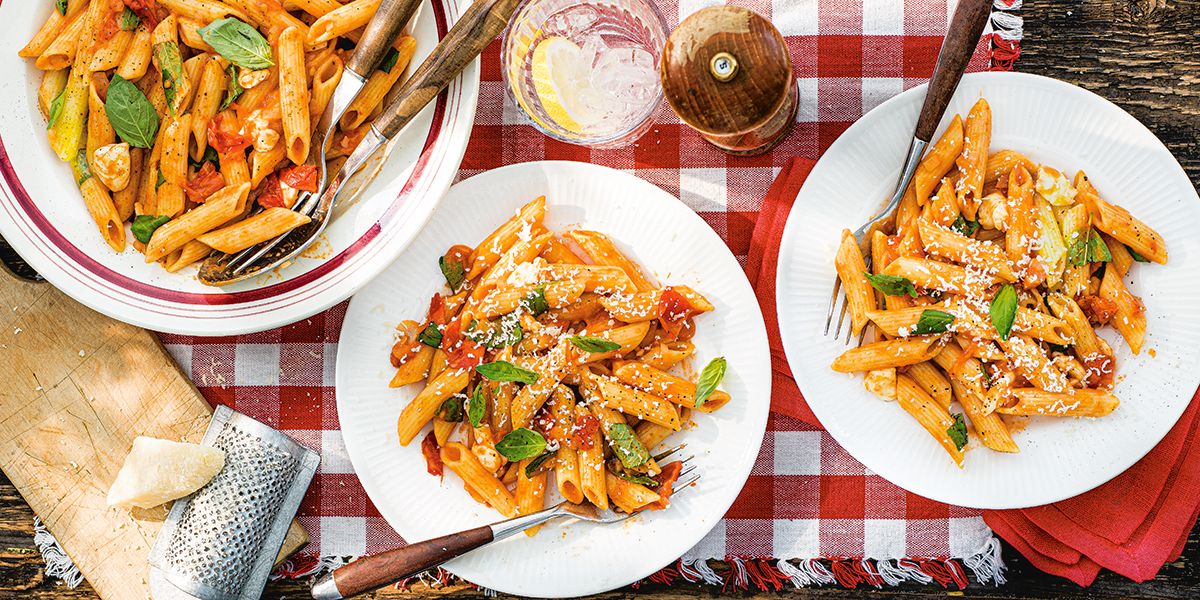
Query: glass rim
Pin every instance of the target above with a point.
(611, 140)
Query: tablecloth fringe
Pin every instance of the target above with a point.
(58, 564)
(736, 573)
(1007, 31)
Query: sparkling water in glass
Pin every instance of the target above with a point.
(585, 71)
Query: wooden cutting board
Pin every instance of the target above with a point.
(76, 388)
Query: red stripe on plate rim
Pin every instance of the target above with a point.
(101, 280)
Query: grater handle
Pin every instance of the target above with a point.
(376, 571)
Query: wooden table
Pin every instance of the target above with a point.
(1141, 54)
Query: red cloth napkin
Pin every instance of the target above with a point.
(760, 270)
(1131, 525)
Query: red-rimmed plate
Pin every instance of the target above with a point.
(43, 217)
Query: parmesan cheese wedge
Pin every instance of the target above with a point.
(158, 471)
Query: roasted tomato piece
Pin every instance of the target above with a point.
(433, 458)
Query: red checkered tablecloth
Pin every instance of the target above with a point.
(807, 501)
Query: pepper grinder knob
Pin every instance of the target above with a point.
(727, 74)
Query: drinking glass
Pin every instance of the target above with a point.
(585, 71)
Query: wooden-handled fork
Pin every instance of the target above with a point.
(966, 25)
(477, 27)
(376, 571)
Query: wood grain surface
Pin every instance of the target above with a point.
(1141, 54)
(77, 388)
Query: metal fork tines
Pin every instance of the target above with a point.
(967, 23)
(589, 512)
(389, 19)
(862, 236)
(375, 571)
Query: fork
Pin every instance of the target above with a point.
(372, 48)
(966, 25)
(481, 22)
(376, 571)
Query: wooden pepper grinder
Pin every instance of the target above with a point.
(727, 74)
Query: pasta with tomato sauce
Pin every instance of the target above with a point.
(160, 106)
(553, 362)
(989, 290)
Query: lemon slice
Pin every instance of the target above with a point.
(562, 81)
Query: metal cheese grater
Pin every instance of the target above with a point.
(220, 543)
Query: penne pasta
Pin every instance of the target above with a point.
(422, 408)
(972, 163)
(507, 349)
(219, 208)
(937, 161)
(630, 401)
(459, 459)
(932, 416)
(340, 21)
(888, 353)
(261, 227)
(852, 269)
(1076, 403)
(1130, 315)
(992, 292)
(293, 95)
(378, 84)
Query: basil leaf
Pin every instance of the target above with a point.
(430, 336)
(892, 285)
(506, 332)
(1004, 310)
(132, 115)
(454, 272)
(638, 478)
(389, 61)
(965, 227)
(233, 87)
(1077, 254)
(159, 181)
(470, 332)
(210, 155)
(239, 43)
(627, 446)
(535, 302)
(958, 431)
(451, 409)
(1088, 248)
(80, 167)
(932, 321)
(1097, 249)
(1137, 257)
(1058, 348)
(710, 378)
(503, 370)
(128, 21)
(61, 5)
(56, 107)
(145, 225)
(520, 444)
(170, 64)
(476, 405)
(593, 345)
(535, 465)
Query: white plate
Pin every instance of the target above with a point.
(565, 559)
(43, 217)
(1063, 126)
